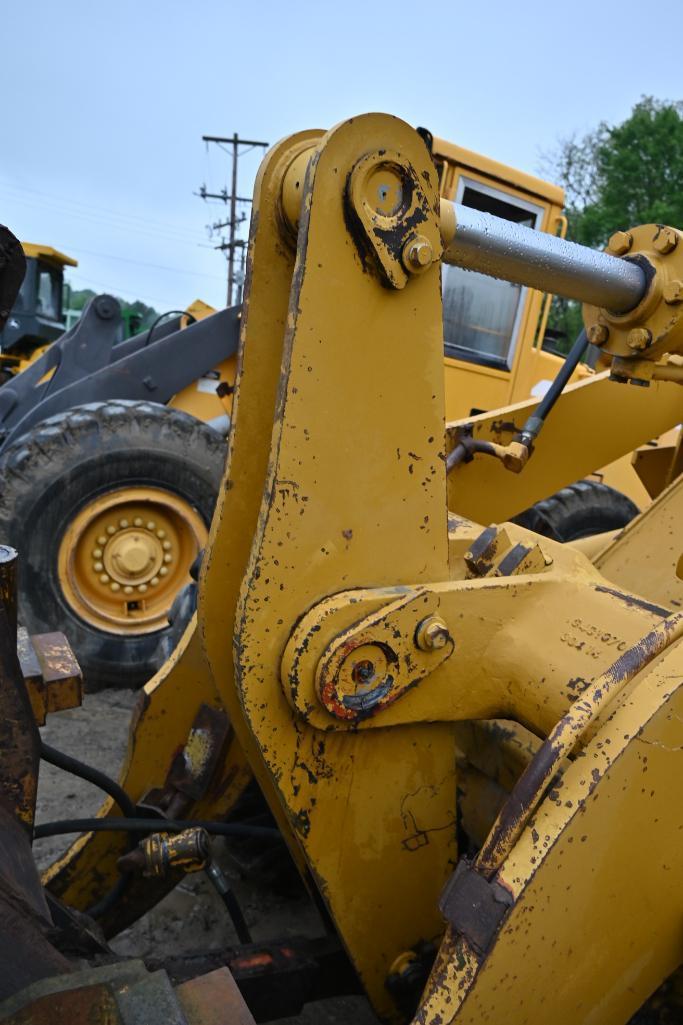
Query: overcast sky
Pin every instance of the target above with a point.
(104, 104)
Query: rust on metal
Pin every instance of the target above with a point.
(19, 742)
(82, 1006)
(51, 673)
(159, 853)
(8, 585)
(33, 675)
(214, 998)
(194, 766)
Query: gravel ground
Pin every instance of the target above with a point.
(192, 916)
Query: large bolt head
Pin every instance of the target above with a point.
(432, 634)
(639, 338)
(620, 243)
(418, 254)
(598, 334)
(665, 240)
(673, 292)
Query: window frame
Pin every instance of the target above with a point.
(454, 351)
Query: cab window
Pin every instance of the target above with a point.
(48, 300)
(481, 315)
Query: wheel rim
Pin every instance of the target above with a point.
(126, 555)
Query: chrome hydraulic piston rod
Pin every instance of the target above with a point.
(502, 249)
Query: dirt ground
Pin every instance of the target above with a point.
(192, 916)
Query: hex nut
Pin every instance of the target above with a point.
(417, 254)
(432, 634)
(673, 292)
(598, 334)
(620, 243)
(665, 240)
(639, 338)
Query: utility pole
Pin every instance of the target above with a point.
(232, 224)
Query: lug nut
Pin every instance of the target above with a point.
(111, 530)
(115, 587)
(128, 589)
(432, 634)
(137, 522)
(142, 588)
(123, 524)
(97, 554)
(98, 567)
(163, 571)
(665, 240)
(166, 545)
(639, 338)
(101, 540)
(417, 254)
(168, 558)
(154, 581)
(104, 579)
(161, 534)
(620, 243)
(673, 292)
(151, 525)
(598, 334)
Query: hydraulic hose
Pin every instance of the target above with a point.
(467, 447)
(140, 825)
(95, 776)
(534, 423)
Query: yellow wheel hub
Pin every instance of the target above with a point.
(126, 555)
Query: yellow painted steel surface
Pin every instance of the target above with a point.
(201, 399)
(354, 496)
(49, 254)
(593, 423)
(349, 626)
(655, 571)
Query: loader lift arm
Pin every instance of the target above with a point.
(348, 627)
(88, 364)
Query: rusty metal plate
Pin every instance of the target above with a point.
(88, 1005)
(33, 675)
(61, 672)
(214, 999)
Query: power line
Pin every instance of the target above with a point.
(122, 292)
(93, 209)
(232, 243)
(141, 263)
(103, 219)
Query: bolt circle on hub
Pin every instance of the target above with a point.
(126, 555)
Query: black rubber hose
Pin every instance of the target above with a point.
(136, 825)
(534, 424)
(122, 884)
(86, 772)
(109, 786)
(162, 316)
(467, 447)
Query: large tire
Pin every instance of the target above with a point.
(73, 461)
(577, 511)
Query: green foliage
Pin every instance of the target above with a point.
(79, 297)
(616, 177)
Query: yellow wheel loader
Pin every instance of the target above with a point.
(108, 488)
(470, 736)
